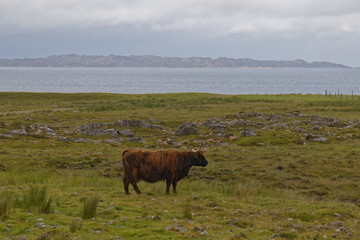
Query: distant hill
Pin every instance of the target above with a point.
(73, 60)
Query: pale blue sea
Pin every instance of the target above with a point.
(171, 80)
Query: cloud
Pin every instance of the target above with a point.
(203, 18)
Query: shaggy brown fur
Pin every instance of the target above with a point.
(153, 166)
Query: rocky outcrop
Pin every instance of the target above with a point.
(91, 129)
(248, 133)
(188, 129)
(136, 123)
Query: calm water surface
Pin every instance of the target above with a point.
(171, 80)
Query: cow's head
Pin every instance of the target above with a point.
(199, 157)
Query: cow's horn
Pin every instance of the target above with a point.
(202, 146)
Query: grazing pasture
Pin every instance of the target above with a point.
(279, 166)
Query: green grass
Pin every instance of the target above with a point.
(254, 187)
(89, 209)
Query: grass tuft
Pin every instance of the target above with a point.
(5, 208)
(187, 211)
(89, 209)
(36, 200)
(75, 225)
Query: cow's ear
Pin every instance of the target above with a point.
(194, 150)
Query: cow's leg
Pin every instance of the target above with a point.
(133, 183)
(133, 180)
(174, 186)
(168, 183)
(126, 184)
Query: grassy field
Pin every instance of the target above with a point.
(296, 177)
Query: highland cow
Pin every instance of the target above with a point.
(153, 166)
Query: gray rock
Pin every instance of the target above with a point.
(176, 144)
(17, 132)
(6, 136)
(127, 132)
(332, 122)
(248, 133)
(80, 140)
(136, 139)
(320, 139)
(91, 129)
(111, 131)
(136, 123)
(219, 127)
(261, 124)
(111, 141)
(63, 139)
(188, 129)
(299, 129)
(338, 224)
(238, 122)
(198, 229)
(316, 128)
(342, 229)
(196, 197)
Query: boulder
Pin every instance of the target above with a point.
(127, 132)
(238, 122)
(17, 132)
(91, 129)
(136, 139)
(136, 123)
(188, 129)
(248, 133)
(219, 127)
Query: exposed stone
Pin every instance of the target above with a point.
(332, 122)
(316, 128)
(80, 140)
(136, 139)
(248, 133)
(320, 139)
(136, 123)
(299, 129)
(111, 141)
(311, 136)
(188, 129)
(127, 132)
(111, 131)
(338, 224)
(219, 127)
(6, 136)
(196, 197)
(198, 229)
(261, 124)
(238, 122)
(91, 129)
(18, 132)
(176, 144)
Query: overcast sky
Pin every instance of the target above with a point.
(313, 30)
